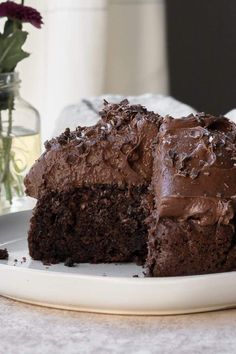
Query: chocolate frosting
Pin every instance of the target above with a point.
(195, 169)
(117, 150)
(206, 211)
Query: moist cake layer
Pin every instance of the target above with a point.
(92, 224)
(187, 248)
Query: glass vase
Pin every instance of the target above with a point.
(19, 140)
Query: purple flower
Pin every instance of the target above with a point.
(20, 13)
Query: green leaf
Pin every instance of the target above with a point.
(11, 26)
(8, 27)
(11, 50)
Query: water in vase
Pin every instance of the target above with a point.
(24, 151)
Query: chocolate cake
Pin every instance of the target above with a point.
(137, 187)
(92, 190)
(192, 227)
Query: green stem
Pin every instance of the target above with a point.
(7, 144)
(9, 129)
(22, 2)
(0, 123)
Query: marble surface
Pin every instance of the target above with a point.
(30, 329)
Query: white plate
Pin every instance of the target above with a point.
(106, 288)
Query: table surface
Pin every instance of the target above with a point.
(31, 329)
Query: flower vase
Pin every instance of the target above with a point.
(19, 140)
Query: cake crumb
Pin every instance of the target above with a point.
(4, 254)
(46, 263)
(69, 262)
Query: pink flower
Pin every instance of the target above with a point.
(20, 13)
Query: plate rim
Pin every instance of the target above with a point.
(160, 280)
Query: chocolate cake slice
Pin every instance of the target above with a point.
(92, 190)
(192, 229)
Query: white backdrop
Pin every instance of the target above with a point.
(90, 47)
